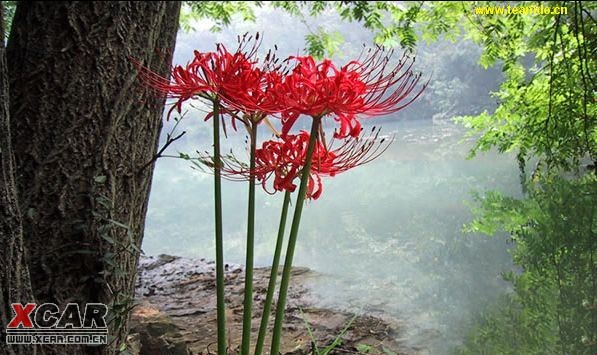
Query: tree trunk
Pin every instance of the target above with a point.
(83, 129)
(15, 285)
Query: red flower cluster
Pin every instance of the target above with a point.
(250, 89)
(284, 160)
(364, 88)
(232, 78)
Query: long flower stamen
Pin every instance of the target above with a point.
(283, 160)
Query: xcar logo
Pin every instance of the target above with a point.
(45, 324)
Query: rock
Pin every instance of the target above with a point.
(133, 344)
(157, 333)
(161, 260)
(177, 312)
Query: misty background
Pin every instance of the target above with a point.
(386, 237)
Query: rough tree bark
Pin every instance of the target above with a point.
(15, 285)
(82, 129)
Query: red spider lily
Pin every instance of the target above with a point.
(364, 87)
(284, 159)
(231, 77)
(252, 91)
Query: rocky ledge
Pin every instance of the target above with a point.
(176, 313)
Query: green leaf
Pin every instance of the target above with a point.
(322, 43)
(364, 348)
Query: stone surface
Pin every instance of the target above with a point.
(176, 313)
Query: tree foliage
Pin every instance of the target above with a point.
(547, 107)
(553, 308)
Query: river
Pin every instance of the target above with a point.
(387, 237)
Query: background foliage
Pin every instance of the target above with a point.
(553, 307)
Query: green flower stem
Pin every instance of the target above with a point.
(221, 306)
(248, 304)
(296, 219)
(267, 307)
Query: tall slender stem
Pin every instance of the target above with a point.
(221, 306)
(248, 304)
(267, 307)
(296, 219)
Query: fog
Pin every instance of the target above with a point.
(386, 237)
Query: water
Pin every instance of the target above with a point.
(386, 236)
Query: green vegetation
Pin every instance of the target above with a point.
(553, 309)
(334, 344)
